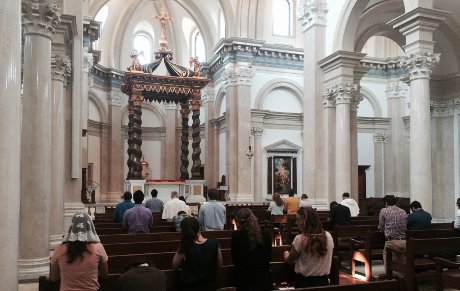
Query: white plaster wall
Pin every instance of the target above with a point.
(271, 136)
(149, 118)
(334, 9)
(378, 88)
(94, 157)
(365, 109)
(93, 112)
(222, 156)
(366, 157)
(152, 153)
(282, 100)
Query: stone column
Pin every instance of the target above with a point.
(356, 99)
(39, 22)
(185, 111)
(61, 69)
(312, 16)
(329, 145)
(196, 139)
(114, 149)
(211, 176)
(237, 79)
(396, 104)
(380, 138)
(343, 95)
(10, 128)
(170, 170)
(257, 133)
(135, 137)
(418, 26)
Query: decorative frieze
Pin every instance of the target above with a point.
(419, 65)
(312, 12)
(40, 18)
(445, 108)
(397, 90)
(381, 137)
(239, 74)
(61, 68)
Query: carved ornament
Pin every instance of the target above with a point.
(312, 12)
(419, 65)
(257, 131)
(397, 90)
(196, 104)
(40, 18)
(61, 67)
(381, 137)
(445, 108)
(238, 75)
(88, 61)
(115, 100)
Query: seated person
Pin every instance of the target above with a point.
(339, 214)
(154, 204)
(178, 219)
(291, 203)
(276, 207)
(304, 202)
(138, 219)
(122, 207)
(350, 203)
(142, 276)
(212, 214)
(419, 219)
(173, 206)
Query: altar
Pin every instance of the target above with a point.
(164, 187)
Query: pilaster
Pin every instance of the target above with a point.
(380, 139)
(257, 133)
(211, 170)
(40, 19)
(10, 127)
(237, 79)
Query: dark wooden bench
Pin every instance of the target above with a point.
(366, 250)
(119, 230)
(369, 286)
(342, 236)
(164, 236)
(449, 278)
(418, 260)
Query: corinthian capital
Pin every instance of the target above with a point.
(419, 65)
(328, 98)
(257, 131)
(381, 137)
(88, 61)
(343, 93)
(356, 98)
(397, 90)
(40, 17)
(311, 12)
(61, 67)
(239, 74)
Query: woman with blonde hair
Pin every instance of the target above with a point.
(81, 258)
(311, 250)
(276, 207)
(251, 254)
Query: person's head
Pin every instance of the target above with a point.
(127, 195)
(291, 193)
(190, 228)
(415, 205)
(345, 195)
(246, 221)
(389, 200)
(304, 196)
(333, 204)
(138, 197)
(277, 198)
(181, 212)
(138, 263)
(182, 198)
(174, 194)
(309, 225)
(80, 233)
(154, 193)
(213, 194)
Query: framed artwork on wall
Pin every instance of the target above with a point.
(281, 174)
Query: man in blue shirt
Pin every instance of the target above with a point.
(138, 219)
(419, 219)
(123, 206)
(212, 214)
(154, 204)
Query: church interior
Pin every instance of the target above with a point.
(255, 97)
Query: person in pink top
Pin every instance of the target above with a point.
(81, 258)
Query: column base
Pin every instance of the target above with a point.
(69, 210)
(111, 197)
(241, 197)
(55, 240)
(33, 268)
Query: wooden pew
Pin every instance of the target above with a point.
(371, 248)
(164, 236)
(119, 230)
(418, 260)
(372, 286)
(342, 236)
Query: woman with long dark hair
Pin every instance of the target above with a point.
(81, 258)
(199, 257)
(276, 207)
(251, 254)
(311, 250)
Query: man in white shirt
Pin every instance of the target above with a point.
(350, 203)
(173, 206)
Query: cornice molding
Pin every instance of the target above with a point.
(445, 108)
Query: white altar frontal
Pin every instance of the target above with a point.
(165, 187)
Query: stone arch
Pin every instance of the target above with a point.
(99, 105)
(380, 30)
(290, 85)
(152, 107)
(218, 102)
(370, 96)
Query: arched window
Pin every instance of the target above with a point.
(143, 45)
(198, 48)
(282, 17)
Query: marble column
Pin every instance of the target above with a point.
(61, 69)
(10, 128)
(380, 139)
(115, 148)
(312, 16)
(171, 141)
(396, 104)
(329, 145)
(211, 143)
(40, 19)
(237, 79)
(356, 99)
(257, 133)
(343, 95)
(418, 26)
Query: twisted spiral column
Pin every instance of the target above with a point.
(135, 138)
(185, 110)
(196, 139)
